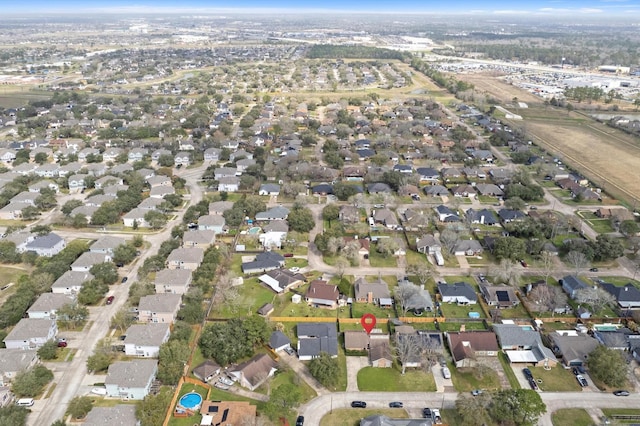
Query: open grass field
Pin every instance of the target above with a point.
(391, 380)
(352, 416)
(579, 140)
(571, 416)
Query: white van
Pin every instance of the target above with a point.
(25, 402)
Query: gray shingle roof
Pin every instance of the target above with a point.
(147, 334)
(131, 374)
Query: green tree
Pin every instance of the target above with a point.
(79, 407)
(155, 219)
(511, 248)
(122, 319)
(257, 329)
(325, 369)
(152, 409)
(166, 160)
(105, 272)
(301, 219)
(520, 407)
(191, 312)
(92, 292)
(629, 227)
(41, 158)
(49, 350)
(29, 213)
(286, 396)
(73, 314)
(607, 366)
(473, 409)
(225, 342)
(331, 212)
(344, 190)
(31, 383)
(124, 253)
(172, 358)
(12, 415)
(8, 252)
(98, 362)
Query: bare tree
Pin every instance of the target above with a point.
(351, 251)
(547, 265)
(335, 244)
(421, 270)
(449, 238)
(387, 246)
(577, 260)
(340, 265)
(546, 298)
(507, 272)
(595, 297)
(404, 292)
(407, 349)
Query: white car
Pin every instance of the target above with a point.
(295, 269)
(225, 381)
(99, 391)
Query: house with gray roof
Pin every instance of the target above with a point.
(207, 370)
(419, 300)
(467, 248)
(89, 259)
(461, 293)
(219, 207)
(281, 280)
(106, 244)
(118, 415)
(269, 189)
(144, 340)
(617, 339)
(627, 296)
(489, 189)
(573, 348)
(185, 258)
(30, 333)
(47, 304)
(46, 245)
(14, 361)
(161, 191)
(99, 200)
(108, 180)
(274, 213)
(212, 222)
(482, 217)
(135, 217)
(523, 345)
(386, 217)
(252, 373)
(379, 188)
(279, 341)
(175, 281)
(499, 296)
(199, 238)
(130, 379)
(428, 244)
(572, 284)
(85, 211)
(149, 204)
(263, 262)
(376, 292)
(314, 338)
(159, 308)
(71, 282)
(445, 214)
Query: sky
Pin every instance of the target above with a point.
(497, 7)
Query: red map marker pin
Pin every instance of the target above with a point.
(368, 322)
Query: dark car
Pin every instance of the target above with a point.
(621, 393)
(395, 404)
(110, 300)
(524, 264)
(62, 344)
(426, 413)
(288, 255)
(358, 404)
(527, 373)
(124, 279)
(533, 384)
(593, 270)
(300, 421)
(575, 371)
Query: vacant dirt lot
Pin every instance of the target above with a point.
(492, 84)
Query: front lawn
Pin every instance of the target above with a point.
(380, 260)
(468, 379)
(571, 416)
(352, 416)
(508, 371)
(289, 376)
(374, 379)
(558, 379)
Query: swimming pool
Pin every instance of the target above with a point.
(526, 327)
(605, 327)
(254, 230)
(191, 401)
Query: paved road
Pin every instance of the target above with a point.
(70, 377)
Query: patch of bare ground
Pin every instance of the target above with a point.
(491, 83)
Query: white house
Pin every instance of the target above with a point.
(130, 379)
(144, 340)
(31, 333)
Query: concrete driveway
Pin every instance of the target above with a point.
(355, 364)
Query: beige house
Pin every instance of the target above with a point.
(185, 258)
(199, 238)
(174, 281)
(159, 308)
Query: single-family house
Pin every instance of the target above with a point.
(99, 200)
(436, 190)
(111, 154)
(135, 218)
(572, 348)
(252, 373)
(185, 258)
(418, 301)
(281, 280)
(207, 370)
(14, 361)
(275, 232)
(159, 308)
(445, 214)
(161, 191)
(175, 281)
(499, 296)
(225, 172)
(106, 244)
(617, 339)
(46, 245)
(278, 341)
(40, 185)
(25, 198)
(428, 174)
(428, 244)
(468, 348)
(47, 304)
(379, 188)
(427, 341)
(159, 180)
(467, 248)
(461, 293)
(199, 238)
(229, 184)
(48, 170)
(523, 345)
(71, 282)
(182, 159)
(489, 189)
(464, 191)
(89, 259)
(120, 414)
(76, 182)
(380, 354)
(270, 189)
(155, 155)
(376, 292)
(263, 262)
(31, 333)
(627, 296)
(386, 217)
(321, 294)
(96, 169)
(365, 245)
(274, 213)
(482, 217)
(508, 215)
(211, 222)
(149, 204)
(144, 340)
(322, 189)
(219, 207)
(349, 214)
(571, 284)
(212, 155)
(315, 338)
(131, 379)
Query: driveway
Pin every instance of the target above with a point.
(355, 364)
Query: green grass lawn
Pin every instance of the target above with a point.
(379, 260)
(195, 419)
(468, 379)
(452, 279)
(291, 262)
(508, 371)
(359, 309)
(452, 310)
(515, 312)
(621, 281)
(456, 326)
(391, 380)
(352, 417)
(571, 416)
(415, 258)
(557, 379)
(252, 295)
(601, 226)
(289, 376)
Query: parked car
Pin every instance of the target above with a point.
(225, 381)
(300, 421)
(581, 369)
(294, 269)
(533, 384)
(221, 386)
(446, 373)
(288, 255)
(476, 392)
(289, 351)
(575, 371)
(358, 404)
(523, 263)
(593, 270)
(435, 417)
(527, 373)
(99, 391)
(62, 344)
(110, 300)
(395, 404)
(621, 393)
(426, 413)
(582, 381)
(124, 279)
